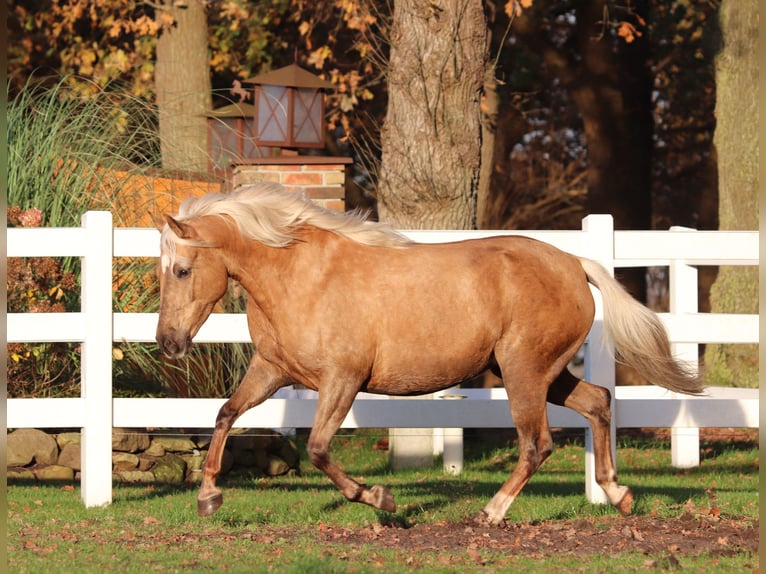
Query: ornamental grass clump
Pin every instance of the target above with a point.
(70, 150)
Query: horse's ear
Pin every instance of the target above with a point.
(157, 221)
(181, 229)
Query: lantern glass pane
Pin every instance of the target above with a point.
(272, 113)
(223, 141)
(249, 141)
(307, 116)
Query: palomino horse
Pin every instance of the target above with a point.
(343, 305)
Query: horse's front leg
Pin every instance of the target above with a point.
(260, 382)
(332, 407)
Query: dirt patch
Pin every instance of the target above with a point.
(688, 535)
(695, 532)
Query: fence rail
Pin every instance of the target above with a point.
(96, 411)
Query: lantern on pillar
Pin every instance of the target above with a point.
(230, 135)
(289, 108)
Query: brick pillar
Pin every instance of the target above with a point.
(322, 178)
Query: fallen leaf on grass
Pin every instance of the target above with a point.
(476, 557)
(631, 533)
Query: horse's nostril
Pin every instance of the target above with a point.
(174, 347)
(168, 346)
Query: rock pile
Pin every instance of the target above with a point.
(172, 457)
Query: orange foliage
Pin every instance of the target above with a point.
(134, 199)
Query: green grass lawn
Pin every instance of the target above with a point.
(274, 525)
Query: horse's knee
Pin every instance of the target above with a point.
(318, 456)
(544, 447)
(536, 451)
(600, 408)
(226, 416)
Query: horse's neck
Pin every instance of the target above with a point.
(266, 273)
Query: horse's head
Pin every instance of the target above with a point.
(193, 277)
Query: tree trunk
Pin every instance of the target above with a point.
(613, 94)
(736, 140)
(431, 138)
(182, 80)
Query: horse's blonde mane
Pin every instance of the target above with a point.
(268, 213)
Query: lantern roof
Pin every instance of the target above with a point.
(292, 76)
(239, 110)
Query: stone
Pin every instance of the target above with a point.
(265, 439)
(170, 469)
(277, 466)
(27, 445)
(18, 473)
(246, 458)
(175, 444)
(252, 439)
(194, 463)
(54, 472)
(227, 461)
(195, 460)
(126, 440)
(155, 449)
(261, 459)
(203, 442)
(289, 453)
(71, 456)
(193, 477)
(123, 465)
(145, 462)
(134, 476)
(125, 458)
(66, 438)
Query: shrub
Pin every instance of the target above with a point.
(40, 285)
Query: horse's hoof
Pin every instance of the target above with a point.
(481, 518)
(626, 503)
(209, 505)
(383, 499)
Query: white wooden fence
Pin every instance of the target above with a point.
(96, 411)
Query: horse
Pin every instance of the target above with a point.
(341, 304)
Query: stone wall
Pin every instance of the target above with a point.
(158, 456)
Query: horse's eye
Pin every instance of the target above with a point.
(182, 272)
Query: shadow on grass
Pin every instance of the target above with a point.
(426, 497)
(419, 499)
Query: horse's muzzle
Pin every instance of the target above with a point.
(172, 347)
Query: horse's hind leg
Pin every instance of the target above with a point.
(593, 403)
(527, 400)
(334, 403)
(260, 382)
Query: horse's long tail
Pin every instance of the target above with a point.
(639, 337)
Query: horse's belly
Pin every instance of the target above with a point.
(406, 385)
(426, 369)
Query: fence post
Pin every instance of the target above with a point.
(411, 447)
(599, 362)
(683, 287)
(96, 361)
